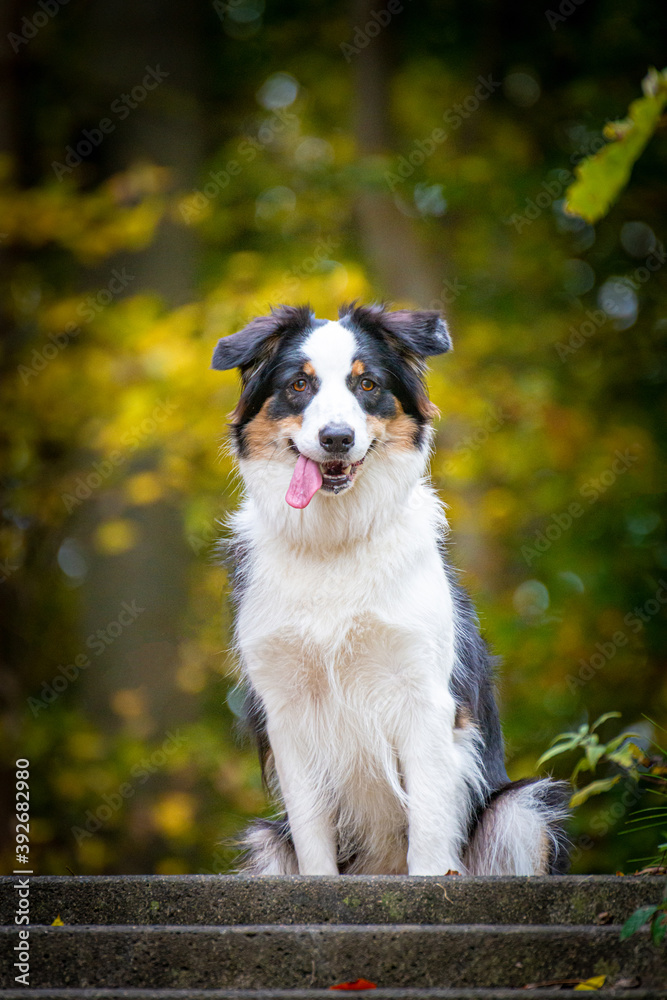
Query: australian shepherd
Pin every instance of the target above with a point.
(369, 689)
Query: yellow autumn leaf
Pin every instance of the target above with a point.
(497, 505)
(58, 922)
(595, 983)
(144, 488)
(191, 675)
(128, 703)
(174, 814)
(114, 537)
(85, 745)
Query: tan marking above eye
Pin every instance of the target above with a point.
(358, 368)
(308, 369)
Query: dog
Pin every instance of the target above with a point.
(369, 688)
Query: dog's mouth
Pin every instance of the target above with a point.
(338, 476)
(333, 476)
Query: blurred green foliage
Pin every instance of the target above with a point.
(601, 177)
(640, 774)
(241, 182)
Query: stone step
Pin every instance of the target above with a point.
(229, 899)
(378, 994)
(317, 956)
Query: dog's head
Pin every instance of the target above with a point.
(319, 395)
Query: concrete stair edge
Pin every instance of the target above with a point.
(230, 900)
(235, 937)
(276, 957)
(408, 993)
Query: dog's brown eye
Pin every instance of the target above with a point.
(299, 385)
(367, 384)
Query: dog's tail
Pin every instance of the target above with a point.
(521, 831)
(268, 849)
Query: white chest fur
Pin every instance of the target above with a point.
(345, 606)
(350, 648)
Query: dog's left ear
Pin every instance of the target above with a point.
(423, 332)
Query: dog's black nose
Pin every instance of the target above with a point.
(337, 438)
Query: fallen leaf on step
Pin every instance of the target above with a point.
(577, 983)
(595, 983)
(452, 872)
(358, 984)
(58, 922)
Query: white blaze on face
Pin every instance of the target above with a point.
(331, 350)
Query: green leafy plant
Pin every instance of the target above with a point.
(626, 760)
(617, 751)
(601, 178)
(631, 762)
(655, 916)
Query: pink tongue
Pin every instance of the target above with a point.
(306, 481)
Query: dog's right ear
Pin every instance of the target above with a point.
(248, 346)
(255, 344)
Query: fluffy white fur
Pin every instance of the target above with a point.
(516, 834)
(345, 629)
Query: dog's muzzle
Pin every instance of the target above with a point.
(333, 476)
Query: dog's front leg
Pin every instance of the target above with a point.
(438, 798)
(310, 820)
